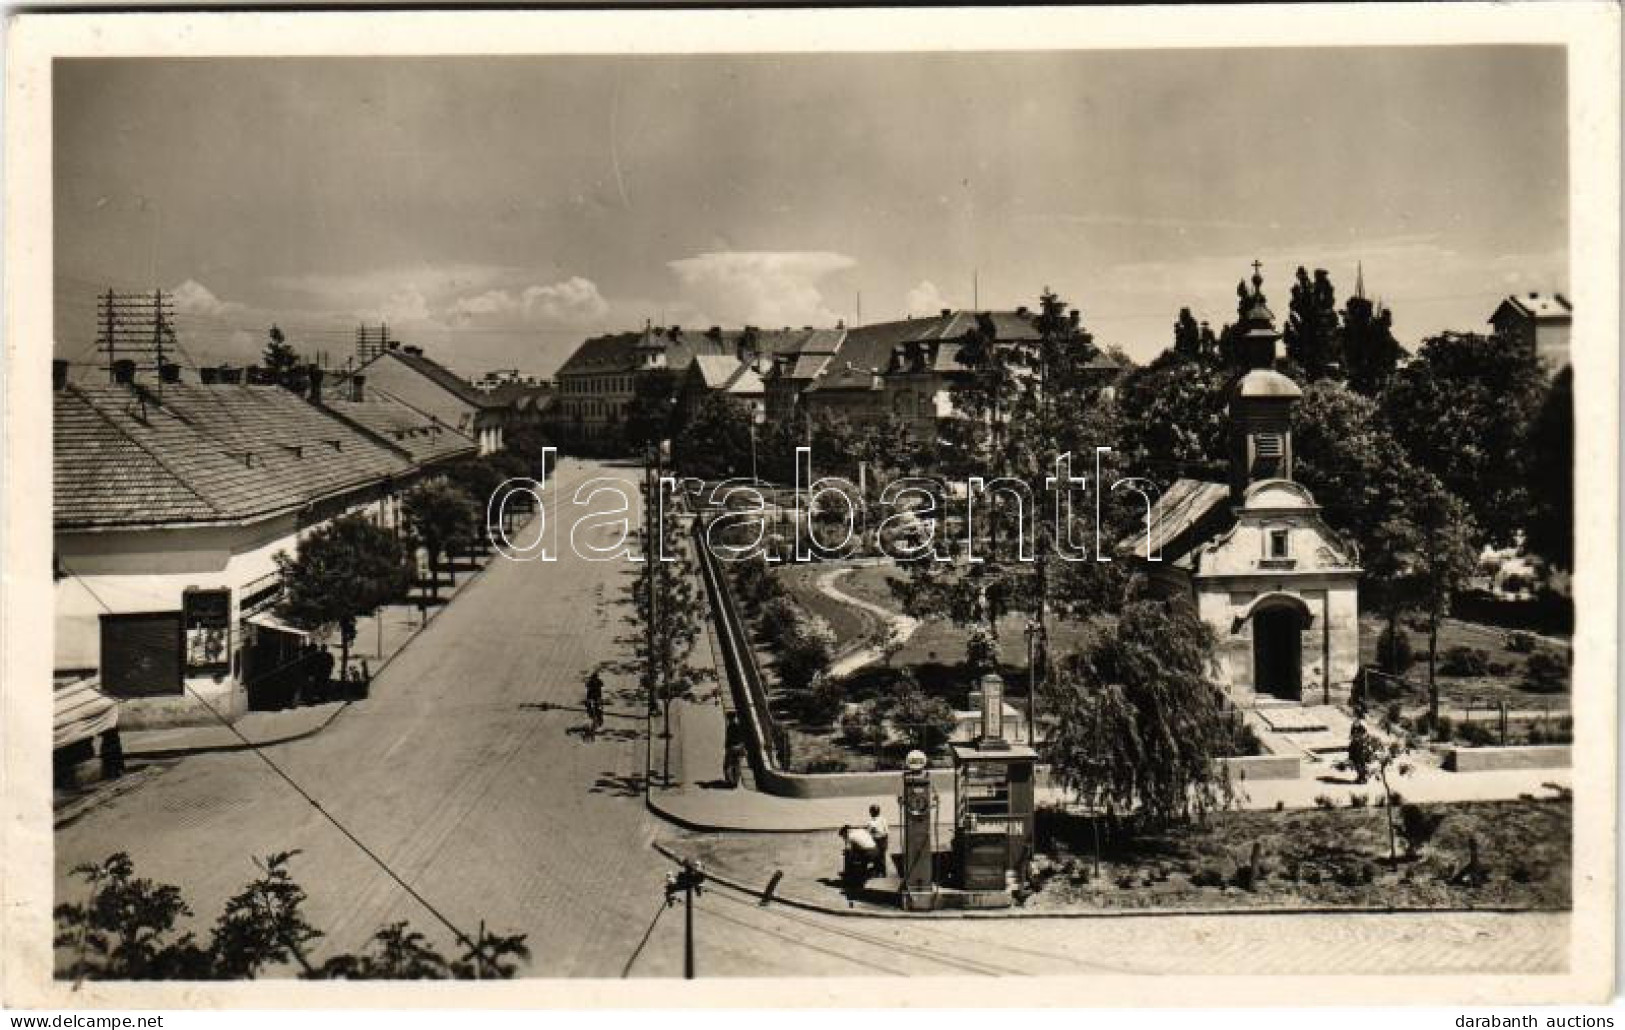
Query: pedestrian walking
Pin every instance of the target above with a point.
(594, 704)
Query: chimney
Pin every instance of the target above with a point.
(209, 374)
(1076, 317)
(59, 373)
(1022, 311)
(124, 372)
(358, 388)
(945, 312)
(314, 376)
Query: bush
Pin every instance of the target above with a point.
(981, 651)
(1517, 583)
(827, 765)
(826, 698)
(1325, 801)
(1465, 661)
(805, 650)
(926, 720)
(1394, 651)
(1478, 734)
(861, 724)
(1546, 672)
(779, 615)
(1520, 642)
(1418, 826)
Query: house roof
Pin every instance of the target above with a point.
(1184, 506)
(215, 453)
(716, 371)
(1542, 307)
(441, 376)
(400, 425)
(623, 352)
(867, 351)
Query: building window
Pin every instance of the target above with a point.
(1279, 544)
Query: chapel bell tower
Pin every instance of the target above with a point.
(1261, 403)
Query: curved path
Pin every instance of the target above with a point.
(902, 626)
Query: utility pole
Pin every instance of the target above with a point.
(688, 882)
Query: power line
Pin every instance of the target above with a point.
(477, 949)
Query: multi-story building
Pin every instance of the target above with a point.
(599, 383)
(1538, 323)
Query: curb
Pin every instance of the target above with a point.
(696, 827)
(1124, 913)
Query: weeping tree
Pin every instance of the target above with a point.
(1138, 726)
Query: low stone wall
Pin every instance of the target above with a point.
(845, 785)
(1486, 759)
(1263, 767)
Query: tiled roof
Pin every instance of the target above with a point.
(617, 352)
(400, 425)
(620, 352)
(1182, 507)
(203, 453)
(868, 349)
(1542, 307)
(441, 376)
(716, 370)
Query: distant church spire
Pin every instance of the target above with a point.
(1359, 280)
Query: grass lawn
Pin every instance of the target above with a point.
(934, 654)
(1334, 859)
(1462, 691)
(850, 625)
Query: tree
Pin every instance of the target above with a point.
(1138, 727)
(1194, 341)
(1548, 452)
(715, 443)
(662, 624)
(1461, 409)
(1344, 454)
(806, 649)
(443, 519)
(1385, 756)
(1370, 352)
(1172, 413)
(126, 930)
(279, 355)
(1445, 559)
(1310, 335)
(651, 415)
(344, 570)
(924, 720)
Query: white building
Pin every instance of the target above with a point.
(1278, 587)
(170, 502)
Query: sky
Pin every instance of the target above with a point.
(497, 211)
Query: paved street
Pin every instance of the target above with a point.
(466, 772)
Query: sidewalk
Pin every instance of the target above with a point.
(378, 639)
(697, 800)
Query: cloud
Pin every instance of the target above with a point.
(761, 287)
(572, 301)
(193, 298)
(925, 299)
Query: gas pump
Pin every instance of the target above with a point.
(917, 803)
